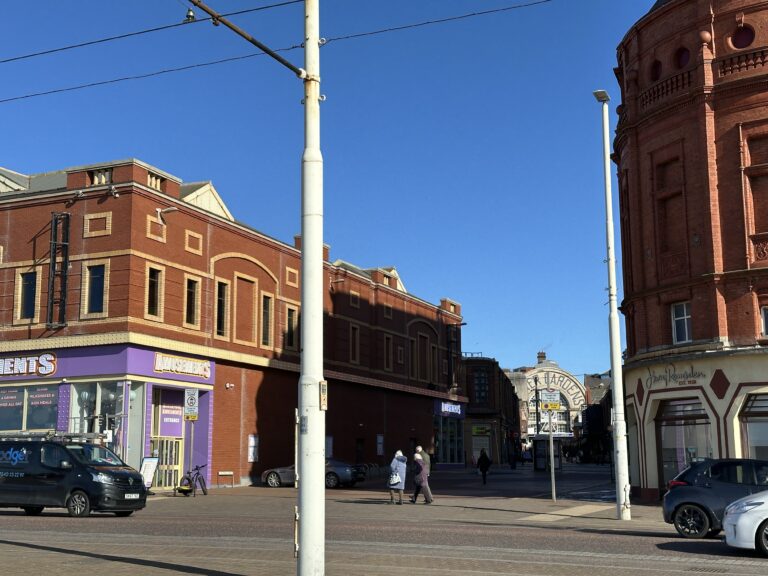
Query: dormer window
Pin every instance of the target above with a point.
(100, 177)
(154, 181)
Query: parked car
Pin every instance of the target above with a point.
(746, 523)
(56, 472)
(697, 497)
(337, 473)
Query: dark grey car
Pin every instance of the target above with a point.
(697, 497)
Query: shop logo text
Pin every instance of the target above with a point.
(179, 365)
(40, 365)
(13, 456)
(671, 375)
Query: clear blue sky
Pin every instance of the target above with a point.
(467, 154)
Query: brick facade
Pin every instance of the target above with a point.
(690, 156)
(226, 293)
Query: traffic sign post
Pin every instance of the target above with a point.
(190, 413)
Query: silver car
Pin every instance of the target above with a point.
(337, 473)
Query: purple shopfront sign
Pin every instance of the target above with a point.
(105, 361)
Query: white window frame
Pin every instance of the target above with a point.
(681, 311)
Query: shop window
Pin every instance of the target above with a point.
(29, 408)
(681, 322)
(754, 419)
(684, 432)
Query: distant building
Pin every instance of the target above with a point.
(493, 412)
(126, 294)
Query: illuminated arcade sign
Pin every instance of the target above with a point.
(181, 365)
(38, 365)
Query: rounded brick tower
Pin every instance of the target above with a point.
(691, 152)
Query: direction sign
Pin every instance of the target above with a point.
(190, 403)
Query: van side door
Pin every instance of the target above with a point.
(53, 480)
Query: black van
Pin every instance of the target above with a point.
(61, 473)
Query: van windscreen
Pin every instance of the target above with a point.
(95, 455)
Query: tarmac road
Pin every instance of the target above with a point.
(510, 527)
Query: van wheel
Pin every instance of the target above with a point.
(124, 513)
(32, 510)
(78, 504)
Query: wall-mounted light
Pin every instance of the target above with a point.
(161, 211)
(229, 385)
(113, 192)
(77, 195)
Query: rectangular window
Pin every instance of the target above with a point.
(481, 387)
(681, 322)
(222, 308)
(154, 287)
(433, 364)
(191, 307)
(423, 361)
(266, 320)
(28, 295)
(245, 310)
(354, 344)
(764, 315)
(388, 353)
(291, 324)
(96, 277)
(354, 299)
(412, 360)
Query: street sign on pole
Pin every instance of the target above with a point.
(190, 403)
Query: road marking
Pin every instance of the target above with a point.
(569, 513)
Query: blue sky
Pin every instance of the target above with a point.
(467, 154)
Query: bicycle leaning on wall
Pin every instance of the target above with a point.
(191, 481)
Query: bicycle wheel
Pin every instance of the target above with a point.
(201, 483)
(185, 486)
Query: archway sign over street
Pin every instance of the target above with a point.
(190, 403)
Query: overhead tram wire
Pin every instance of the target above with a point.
(141, 32)
(236, 58)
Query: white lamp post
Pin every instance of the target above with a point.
(619, 424)
(313, 399)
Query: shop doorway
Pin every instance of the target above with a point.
(167, 440)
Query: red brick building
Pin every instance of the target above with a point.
(122, 287)
(691, 151)
(493, 413)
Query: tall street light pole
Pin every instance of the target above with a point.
(313, 399)
(619, 423)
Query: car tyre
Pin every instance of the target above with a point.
(78, 504)
(691, 521)
(273, 480)
(761, 538)
(32, 510)
(123, 513)
(331, 480)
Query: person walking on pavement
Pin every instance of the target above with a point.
(397, 477)
(420, 479)
(483, 463)
(428, 468)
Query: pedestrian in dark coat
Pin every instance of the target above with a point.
(425, 489)
(483, 463)
(397, 466)
(420, 480)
